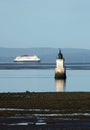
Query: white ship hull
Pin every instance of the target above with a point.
(26, 58)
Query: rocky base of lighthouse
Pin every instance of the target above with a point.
(60, 73)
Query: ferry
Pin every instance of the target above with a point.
(27, 58)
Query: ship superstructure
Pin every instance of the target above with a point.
(27, 58)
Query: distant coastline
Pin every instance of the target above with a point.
(47, 55)
(33, 65)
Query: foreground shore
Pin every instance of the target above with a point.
(52, 111)
(73, 105)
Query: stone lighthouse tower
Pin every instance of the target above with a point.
(60, 70)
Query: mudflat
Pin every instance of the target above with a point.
(44, 110)
(61, 104)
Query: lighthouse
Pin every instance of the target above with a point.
(60, 70)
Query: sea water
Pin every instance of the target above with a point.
(42, 80)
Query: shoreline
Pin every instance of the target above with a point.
(73, 105)
(45, 110)
(17, 66)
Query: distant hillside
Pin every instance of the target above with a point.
(46, 54)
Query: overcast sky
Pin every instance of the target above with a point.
(45, 23)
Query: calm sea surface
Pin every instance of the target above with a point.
(42, 80)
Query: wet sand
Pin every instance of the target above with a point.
(57, 125)
(20, 111)
(26, 103)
